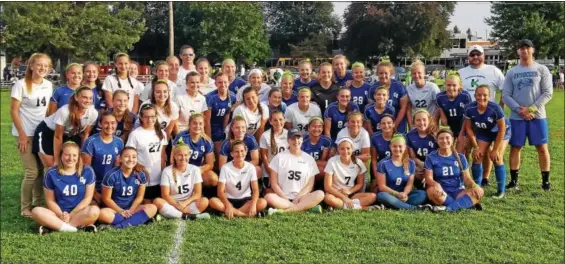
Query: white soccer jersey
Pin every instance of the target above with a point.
(33, 107)
(113, 83)
(238, 181)
(163, 119)
(423, 98)
(263, 93)
(253, 119)
(149, 149)
(183, 72)
(61, 117)
(189, 105)
(301, 119)
(182, 186)
(360, 142)
(487, 74)
(344, 175)
(265, 143)
(208, 88)
(144, 96)
(293, 172)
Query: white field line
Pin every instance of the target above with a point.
(177, 241)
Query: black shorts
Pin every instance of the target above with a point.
(238, 203)
(152, 192)
(43, 140)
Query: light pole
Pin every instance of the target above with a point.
(171, 30)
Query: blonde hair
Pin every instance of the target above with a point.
(432, 126)
(459, 81)
(192, 118)
(386, 64)
(29, 72)
(417, 63)
(337, 57)
(405, 159)
(78, 166)
(178, 147)
(358, 64)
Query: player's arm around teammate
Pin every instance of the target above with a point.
(345, 178)
(238, 190)
(317, 145)
(237, 131)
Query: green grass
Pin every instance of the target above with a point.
(525, 227)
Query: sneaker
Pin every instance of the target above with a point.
(546, 186)
(499, 195)
(89, 228)
(425, 207)
(478, 207)
(203, 216)
(43, 230)
(157, 218)
(316, 209)
(104, 227)
(273, 211)
(485, 183)
(512, 185)
(261, 213)
(439, 208)
(376, 207)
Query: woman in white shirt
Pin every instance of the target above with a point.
(359, 136)
(298, 115)
(345, 179)
(192, 101)
(256, 82)
(273, 141)
(207, 84)
(292, 179)
(421, 93)
(122, 81)
(167, 110)
(161, 73)
(238, 190)
(30, 99)
(254, 112)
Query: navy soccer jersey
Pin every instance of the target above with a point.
(249, 141)
(422, 146)
(298, 83)
(218, 110)
(99, 101)
(446, 170)
(198, 150)
(372, 115)
(236, 84)
(119, 126)
(69, 190)
(359, 95)
(343, 79)
(124, 189)
(292, 99)
(62, 95)
(316, 150)
(381, 145)
(395, 176)
(395, 93)
(454, 109)
(485, 123)
(103, 155)
(338, 118)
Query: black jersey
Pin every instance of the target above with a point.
(324, 97)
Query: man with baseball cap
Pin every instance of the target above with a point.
(527, 89)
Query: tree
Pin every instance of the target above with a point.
(77, 30)
(469, 34)
(541, 22)
(290, 23)
(153, 43)
(316, 46)
(397, 29)
(456, 30)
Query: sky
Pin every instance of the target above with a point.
(466, 15)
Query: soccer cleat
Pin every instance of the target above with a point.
(261, 213)
(499, 195)
(157, 218)
(512, 185)
(273, 211)
(43, 230)
(316, 209)
(478, 207)
(104, 227)
(485, 183)
(203, 216)
(89, 228)
(376, 207)
(425, 207)
(438, 208)
(546, 186)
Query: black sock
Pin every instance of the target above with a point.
(545, 176)
(514, 175)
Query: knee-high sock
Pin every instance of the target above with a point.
(136, 219)
(118, 218)
(477, 170)
(169, 211)
(500, 173)
(461, 203)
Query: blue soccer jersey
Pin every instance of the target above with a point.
(485, 123)
(292, 99)
(422, 146)
(236, 84)
(103, 155)
(124, 189)
(218, 110)
(446, 170)
(198, 150)
(99, 101)
(338, 118)
(316, 150)
(69, 190)
(249, 141)
(298, 83)
(395, 93)
(359, 95)
(343, 79)
(382, 146)
(454, 109)
(395, 176)
(371, 114)
(62, 95)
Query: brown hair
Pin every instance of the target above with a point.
(116, 57)
(248, 90)
(393, 126)
(236, 118)
(453, 149)
(337, 57)
(192, 117)
(353, 158)
(387, 64)
(74, 117)
(274, 147)
(167, 106)
(155, 78)
(128, 120)
(138, 167)
(432, 126)
(203, 59)
(347, 108)
(97, 82)
(157, 126)
(78, 167)
(191, 74)
(29, 72)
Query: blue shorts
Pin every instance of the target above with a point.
(491, 137)
(218, 134)
(536, 130)
(453, 194)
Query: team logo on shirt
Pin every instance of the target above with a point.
(136, 182)
(456, 164)
(395, 95)
(431, 144)
(82, 180)
(489, 119)
(244, 172)
(116, 150)
(301, 162)
(462, 105)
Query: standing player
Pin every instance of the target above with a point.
(191, 101)
(305, 79)
(299, 114)
(28, 108)
(126, 119)
(206, 83)
(254, 112)
(289, 93)
(397, 94)
(161, 73)
(375, 111)
(359, 88)
(421, 141)
(167, 110)
(451, 107)
(272, 142)
(122, 81)
(187, 56)
(63, 94)
(341, 75)
(325, 91)
(335, 116)
(317, 145)
(219, 109)
(421, 93)
(358, 135)
(91, 79)
(257, 82)
(228, 67)
(174, 65)
(527, 88)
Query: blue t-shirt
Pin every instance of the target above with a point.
(198, 150)
(422, 146)
(374, 117)
(446, 170)
(219, 109)
(338, 118)
(382, 146)
(103, 155)
(293, 99)
(236, 84)
(395, 93)
(395, 176)
(454, 110)
(485, 123)
(342, 80)
(316, 150)
(119, 127)
(359, 95)
(124, 189)
(249, 141)
(69, 190)
(62, 95)
(298, 83)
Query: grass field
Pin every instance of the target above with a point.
(525, 227)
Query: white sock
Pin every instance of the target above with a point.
(169, 211)
(356, 204)
(345, 207)
(67, 228)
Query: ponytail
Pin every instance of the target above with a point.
(231, 136)
(274, 147)
(156, 126)
(138, 167)
(128, 120)
(251, 89)
(74, 117)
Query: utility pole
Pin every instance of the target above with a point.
(171, 30)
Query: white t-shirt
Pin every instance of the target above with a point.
(33, 107)
(253, 119)
(111, 84)
(188, 105)
(360, 142)
(265, 143)
(423, 98)
(183, 72)
(487, 74)
(344, 175)
(149, 149)
(162, 118)
(263, 93)
(61, 117)
(293, 172)
(208, 88)
(181, 188)
(238, 181)
(144, 96)
(301, 119)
